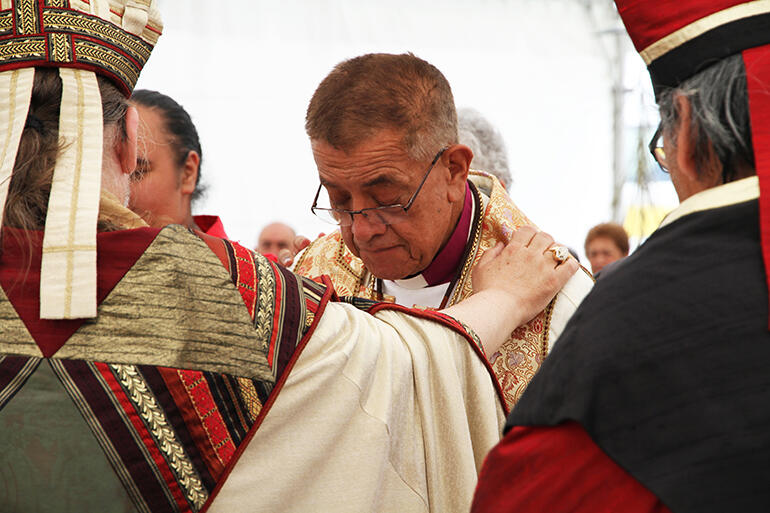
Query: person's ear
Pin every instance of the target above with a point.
(684, 145)
(687, 164)
(458, 160)
(190, 172)
(127, 147)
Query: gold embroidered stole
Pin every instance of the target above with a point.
(517, 360)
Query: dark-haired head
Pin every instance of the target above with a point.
(179, 127)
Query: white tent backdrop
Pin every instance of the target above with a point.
(246, 70)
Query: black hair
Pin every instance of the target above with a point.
(178, 125)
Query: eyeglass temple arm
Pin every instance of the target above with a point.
(424, 178)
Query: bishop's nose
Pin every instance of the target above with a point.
(365, 227)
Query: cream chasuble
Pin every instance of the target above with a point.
(382, 413)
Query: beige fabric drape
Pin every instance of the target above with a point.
(381, 413)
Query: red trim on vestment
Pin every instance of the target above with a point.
(648, 21)
(276, 320)
(207, 410)
(146, 438)
(274, 394)
(191, 419)
(211, 225)
(271, 257)
(247, 277)
(118, 82)
(557, 470)
(757, 61)
(453, 324)
(116, 253)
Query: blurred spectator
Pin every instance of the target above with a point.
(489, 152)
(276, 237)
(605, 243)
(167, 176)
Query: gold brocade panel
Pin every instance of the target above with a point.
(519, 358)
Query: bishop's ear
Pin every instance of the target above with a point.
(458, 160)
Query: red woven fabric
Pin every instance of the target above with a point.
(557, 469)
(757, 61)
(211, 225)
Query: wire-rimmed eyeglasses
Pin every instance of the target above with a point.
(387, 214)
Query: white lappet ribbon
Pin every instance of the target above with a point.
(68, 271)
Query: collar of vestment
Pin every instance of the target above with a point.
(211, 225)
(444, 266)
(730, 193)
(114, 213)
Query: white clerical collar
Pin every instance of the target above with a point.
(730, 193)
(413, 283)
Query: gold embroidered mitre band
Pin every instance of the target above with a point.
(112, 38)
(115, 40)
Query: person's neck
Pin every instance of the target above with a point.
(116, 184)
(444, 265)
(189, 221)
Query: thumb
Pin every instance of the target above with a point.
(491, 253)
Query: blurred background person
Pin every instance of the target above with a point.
(605, 243)
(168, 170)
(486, 143)
(276, 237)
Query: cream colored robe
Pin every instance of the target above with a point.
(385, 413)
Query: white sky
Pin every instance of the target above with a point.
(536, 69)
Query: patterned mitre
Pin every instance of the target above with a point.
(113, 38)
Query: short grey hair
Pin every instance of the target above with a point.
(719, 115)
(489, 152)
(364, 95)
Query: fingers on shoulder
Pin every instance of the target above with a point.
(540, 242)
(523, 236)
(491, 253)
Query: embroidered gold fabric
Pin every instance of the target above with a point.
(202, 326)
(250, 398)
(517, 360)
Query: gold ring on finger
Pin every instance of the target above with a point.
(560, 254)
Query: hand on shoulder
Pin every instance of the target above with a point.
(512, 284)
